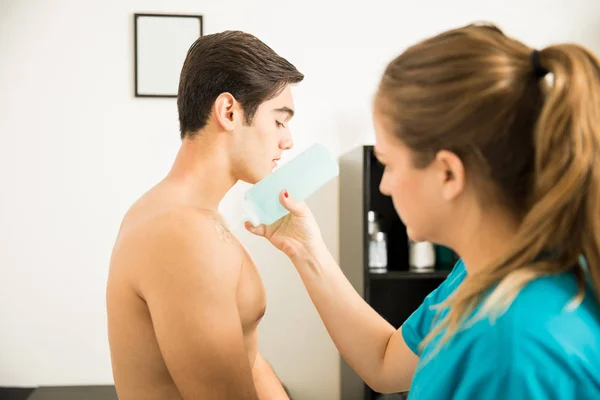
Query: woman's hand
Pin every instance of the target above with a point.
(297, 234)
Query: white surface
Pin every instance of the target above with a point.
(77, 148)
(162, 44)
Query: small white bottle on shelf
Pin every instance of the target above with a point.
(378, 253)
(378, 261)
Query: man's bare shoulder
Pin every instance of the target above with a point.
(182, 240)
(193, 223)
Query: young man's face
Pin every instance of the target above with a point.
(260, 145)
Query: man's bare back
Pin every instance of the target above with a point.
(184, 300)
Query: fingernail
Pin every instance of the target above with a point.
(285, 193)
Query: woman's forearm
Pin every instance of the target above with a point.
(360, 334)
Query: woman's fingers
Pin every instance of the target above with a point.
(259, 230)
(290, 204)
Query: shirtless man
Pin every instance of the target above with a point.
(184, 299)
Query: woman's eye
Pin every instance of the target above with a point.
(279, 124)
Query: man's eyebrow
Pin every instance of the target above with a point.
(286, 110)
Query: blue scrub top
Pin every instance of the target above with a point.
(537, 349)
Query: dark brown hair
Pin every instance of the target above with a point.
(234, 62)
(528, 142)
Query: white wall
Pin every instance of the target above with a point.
(77, 148)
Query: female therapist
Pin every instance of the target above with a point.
(484, 155)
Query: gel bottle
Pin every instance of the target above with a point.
(301, 177)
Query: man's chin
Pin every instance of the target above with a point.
(254, 179)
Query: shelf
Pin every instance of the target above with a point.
(441, 274)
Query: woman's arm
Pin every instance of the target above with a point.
(368, 343)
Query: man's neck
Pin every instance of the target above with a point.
(202, 168)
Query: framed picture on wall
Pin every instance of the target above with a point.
(161, 43)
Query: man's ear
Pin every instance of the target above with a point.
(225, 109)
(451, 173)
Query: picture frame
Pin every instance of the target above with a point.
(161, 43)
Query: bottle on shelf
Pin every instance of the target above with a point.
(378, 261)
(421, 256)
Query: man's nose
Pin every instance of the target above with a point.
(287, 143)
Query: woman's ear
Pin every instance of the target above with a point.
(452, 174)
(224, 110)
